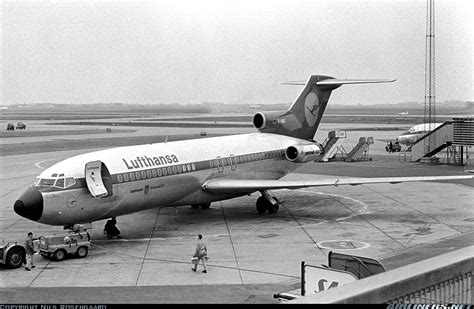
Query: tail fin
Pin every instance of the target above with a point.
(302, 119)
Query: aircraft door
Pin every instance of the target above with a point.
(98, 179)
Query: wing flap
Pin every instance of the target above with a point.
(224, 185)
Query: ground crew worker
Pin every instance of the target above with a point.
(30, 251)
(110, 229)
(200, 253)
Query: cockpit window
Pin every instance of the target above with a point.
(46, 182)
(56, 181)
(70, 181)
(59, 183)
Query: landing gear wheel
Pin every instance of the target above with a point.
(205, 205)
(59, 254)
(14, 258)
(82, 252)
(261, 205)
(273, 208)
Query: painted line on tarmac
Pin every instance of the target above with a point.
(207, 264)
(354, 213)
(38, 164)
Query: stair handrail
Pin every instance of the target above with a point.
(432, 132)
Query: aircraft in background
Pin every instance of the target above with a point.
(416, 132)
(403, 114)
(113, 182)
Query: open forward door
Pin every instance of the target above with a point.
(98, 179)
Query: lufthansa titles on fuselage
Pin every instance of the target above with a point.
(144, 161)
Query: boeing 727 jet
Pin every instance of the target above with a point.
(113, 182)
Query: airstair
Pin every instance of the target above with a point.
(433, 142)
(360, 151)
(342, 269)
(455, 136)
(330, 145)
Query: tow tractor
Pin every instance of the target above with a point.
(75, 242)
(12, 254)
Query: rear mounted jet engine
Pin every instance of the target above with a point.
(269, 120)
(277, 122)
(303, 153)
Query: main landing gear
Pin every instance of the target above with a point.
(266, 202)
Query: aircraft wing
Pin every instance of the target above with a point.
(224, 185)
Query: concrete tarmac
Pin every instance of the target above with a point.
(251, 255)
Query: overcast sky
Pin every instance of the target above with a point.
(229, 51)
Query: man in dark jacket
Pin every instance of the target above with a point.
(110, 229)
(30, 251)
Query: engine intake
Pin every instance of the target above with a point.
(303, 153)
(268, 120)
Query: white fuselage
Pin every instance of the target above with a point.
(162, 175)
(416, 132)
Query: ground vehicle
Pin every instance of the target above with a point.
(12, 254)
(58, 247)
(395, 147)
(21, 126)
(10, 127)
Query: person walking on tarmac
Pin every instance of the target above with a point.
(110, 229)
(30, 251)
(200, 253)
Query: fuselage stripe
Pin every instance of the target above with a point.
(219, 163)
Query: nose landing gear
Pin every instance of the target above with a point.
(266, 202)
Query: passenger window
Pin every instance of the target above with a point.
(125, 177)
(179, 169)
(159, 172)
(119, 178)
(165, 171)
(170, 171)
(132, 176)
(143, 175)
(137, 175)
(153, 173)
(174, 169)
(184, 168)
(148, 174)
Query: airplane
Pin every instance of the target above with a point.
(416, 132)
(403, 114)
(118, 181)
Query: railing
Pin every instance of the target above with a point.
(439, 136)
(445, 279)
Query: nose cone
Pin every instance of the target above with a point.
(30, 204)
